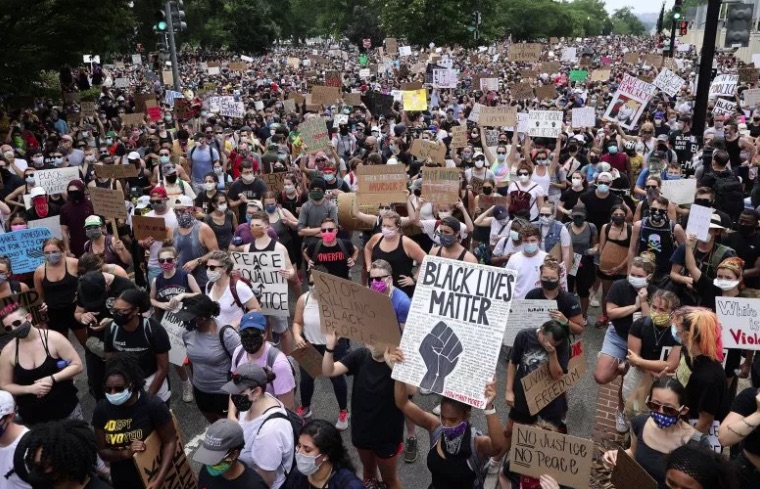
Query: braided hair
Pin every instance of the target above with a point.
(67, 447)
(126, 365)
(703, 465)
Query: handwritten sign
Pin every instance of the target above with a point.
(53, 223)
(228, 107)
(263, 268)
(631, 58)
(355, 312)
(414, 100)
(149, 227)
(524, 53)
(724, 107)
(627, 474)
(584, 117)
(629, 102)
(174, 328)
(578, 75)
(115, 171)
(458, 136)
(541, 389)
(526, 313)
(309, 359)
(275, 181)
(752, 97)
(491, 84)
(441, 185)
(445, 78)
(748, 74)
(148, 462)
(521, 91)
(183, 109)
(24, 248)
(136, 119)
(88, 109)
(669, 82)
(423, 150)
(712, 433)
(498, 116)
(56, 181)
(724, 85)
(382, 184)
(699, 222)
(30, 300)
(545, 123)
(570, 55)
(546, 92)
(679, 191)
(600, 75)
(324, 95)
(108, 203)
(536, 452)
(475, 113)
(451, 339)
(314, 134)
(740, 319)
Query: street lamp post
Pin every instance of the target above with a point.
(705, 68)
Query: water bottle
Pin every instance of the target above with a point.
(61, 364)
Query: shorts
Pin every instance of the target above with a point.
(211, 403)
(279, 324)
(614, 346)
(385, 451)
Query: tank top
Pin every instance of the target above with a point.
(626, 242)
(283, 231)
(459, 258)
(734, 153)
(223, 232)
(659, 241)
(166, 288)
(189, 248)
(108, 184)
(60, 294)
(109, 255)
(401, 264)
(311, 329)
(252, 247)
(452, 472)
(58, 403)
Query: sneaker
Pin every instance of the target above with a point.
(594, 300)
(494, 465)
(187, 391)
(621, 424)
(425, 392)
(343, 418)
(305, 413)
(602, 322)
(370, 484)
(437, 410)
(410, 450)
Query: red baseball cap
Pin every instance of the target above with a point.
(159, 192)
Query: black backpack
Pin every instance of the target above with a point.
(729, 195)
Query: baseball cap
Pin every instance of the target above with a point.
(184, 201)
(662, 137)
(66, 137)
(133, 155)
(143, 201)
(37, 192)
(716, 222)
(91, 292)
(7, 404)
(604, 174)
(253, 319)
(93, 221)
(158, 192)
(578, 210)
(221, 437)
(247, 376)
(500, 212)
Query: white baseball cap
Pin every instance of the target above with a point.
(134, 155)
(184, 201)
(7, 403)
(37, 192)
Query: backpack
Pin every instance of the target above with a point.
(296, 422)
(476, 463)
(520, 202)
(271, 358)
(233, 290)
(729, 195)
(211, 146)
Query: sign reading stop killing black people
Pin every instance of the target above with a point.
(454, 329)
(262, 268)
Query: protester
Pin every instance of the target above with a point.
(56, 282)
(220, 455)
(12, 432)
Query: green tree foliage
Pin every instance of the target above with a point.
(624, 22)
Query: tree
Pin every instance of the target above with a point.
(624, 22)
(365, 25)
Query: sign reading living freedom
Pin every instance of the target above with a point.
(452, 336)
(262, 268)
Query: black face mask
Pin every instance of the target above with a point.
(487, 190)
(252, 342)
(241, 402)
(76, 196)
(657, 215)
(171, 178)
(417, 192)
(703, 202)
(746, 229)
(120, 318)
(38, 479)
(550, 284)
(191, 325)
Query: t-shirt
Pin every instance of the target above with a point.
(124, 424)
(599, 210)
(249, 479)
(567, 304)
(170, 220)
(230, 312)
(147, 341)
(528, 272)
(253, 191)
(210, 361)
(748, 249)
(312, 215)
(656, 343)
(706, 390)
(270, 449)
(745, 404)
(623, 294)
(376, 422)
(6, 465)
(332, 257)
(282, 368)
(401, 303)
(528, 355)
(650, 459)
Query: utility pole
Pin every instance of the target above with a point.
(172, 46)
(705, 68)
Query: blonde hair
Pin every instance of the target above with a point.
(705, 331)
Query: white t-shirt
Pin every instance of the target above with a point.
(528, 272)
(428, 227)
(506, 246)
(22, 165)
(270, 449)
(171, 222)
(499, 230)
(230, 312)
(6, 465)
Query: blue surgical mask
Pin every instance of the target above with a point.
(119, 398)
(270, 208)
(674, 334)
(612, 150)
(603, 188)
(165, 159)
(530, 248)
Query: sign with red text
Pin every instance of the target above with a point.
(629, 102)
(740, 322)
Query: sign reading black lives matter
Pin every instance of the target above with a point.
(453, 333)
(263, 270)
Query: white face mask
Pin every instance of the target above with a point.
(289, 189)
(442, 214)
(637, 282)
(213, 276)
(724, 285)
(514, 235)
(524, 178)
(479, 164)
(222, 207)
(577, 182)
(209, 186)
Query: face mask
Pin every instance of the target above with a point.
(514, 235)
(171, 179)
(724, 285)
(674, 334)
(159, 207)
(603, 188)
(109, 141)
(213, 276)
(89, 158)
(307, 465)
(119, 398)
(209, 186)
(18, 227)
(379, 286)
(466, 156)
(447, 240)
(443, 214)
(524, 178)
(659, 318)
(657, 215)
(479, 164)
(185, 220)
(93, 234)
(450, 433)
(388, 232)
(38, 161)
(219, 469)
(577, 182)
(22, 331)
(3, 278)
(612, 150)
(165, 159)
(54, 258)
(241, 402)
(166, 266)
(746, 229)
(579, 220)
(546, 221)
(121, 319)
(501, 158)
(329, 177)
(316, 195)
(30, 179)
(530, 248)
(270, 208)
(618, 219)
(417, 192)
(663, 420)
(637, 282)
(247, 178)
(218, 170)
(221, 207)
(252, 342)
(329, 236)
(550, 284)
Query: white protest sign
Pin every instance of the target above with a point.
(577, 257)
(247, 59)
(724, 85)
(475, 113)
(523, 121)
(262, 268)
(525, 313)
(545, 123)
(725, 107)
(683, 48)
(214, 70)
(121, 82)
(136, 59)
(669, 82)
(699, 222)
(88, 58)
(752, 97)
(174, 328)
(341, 119)
(679, 191)
(229, 108)
(445, 78)
(170, 96)
(584, 117)
(405, 51)
(570, 55)
(629, 101)
(52, 223)
(56, 180)
(446, 62)
(451, 340)
(740, 319)
(364, 73)
(712, 435)
(491, 84)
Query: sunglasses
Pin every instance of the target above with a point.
(320, 160)
(384, 207)
(15, 324)
(164, 154)
(500, 153)
(328, 230)
(166, 260)
(660, 408)
(523, 174)
(212, 268)
(544, 215)
(379, 279)
(652, 187)
(159, 201)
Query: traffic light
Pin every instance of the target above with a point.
(738, 24)
(684, 28)
(677, 10)
(161, 24)
(178, 16)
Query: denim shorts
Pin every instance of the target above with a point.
(614, 345)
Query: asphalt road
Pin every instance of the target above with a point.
(580, 419)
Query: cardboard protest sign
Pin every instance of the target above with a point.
(262, 268)
(136, 119)
(524, 53)
(748, 74)
(553, 40)
(309, 359)
(415, 100)
(324, 95)
(724, 85)
(382, 184)
(629, 102)
(491, 84)
(545, 123)
(275, 181)
(632, 58)
(627, 474)
(30, 300)
(429, 149)
(346, 206)
(289, 105)
(536, 452)
(584, 117)
(526, 313)
(740, 319)
(521, 91)
(699, 222)
(149, 227)
(53, 223)
(391, 45)
(503, 115)
(238, 66)
(88, 109)
(679, 191)
(141, 99)
(654, 60)
(458, 136)
(551, 67)
(183, 109)
(752, 96)
(108, 203)
(529, 74)
(541, 389)
(669, 82)
(56, 180)
(148, 462)
(411, 86)
(600, 75)
(174, 328)
(314, 134)
(24, 248)
(115, 171)
(546, 92)
(352, 98)
(724, 107)
(451, 339)
(356, 312)
(578, 75)
(441, 185)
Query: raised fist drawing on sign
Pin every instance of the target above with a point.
(440, 351)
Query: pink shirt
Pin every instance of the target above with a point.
(284, 383)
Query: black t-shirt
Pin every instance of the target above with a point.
(528, 355)
(623, 294)
(650, 459)
(570, 199)
(707, 389)
(31, 213)
(253, 191)
(119, 285)
(124, 424)
(598, 210)
(567, 304)
(376, 421)
(684, 144)
(656, 343)
(249, 479)
(147, 341)
(748, 249)
(745, 404)
(332, 257)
